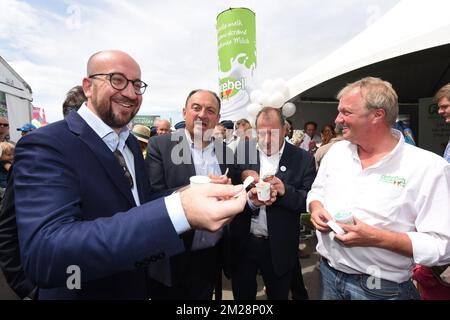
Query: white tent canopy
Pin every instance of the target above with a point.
(410, 26)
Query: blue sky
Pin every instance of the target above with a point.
(49, 42)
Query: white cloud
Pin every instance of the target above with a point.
(174, 41)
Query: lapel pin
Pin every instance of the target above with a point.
(283, 168)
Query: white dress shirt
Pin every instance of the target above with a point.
(407, 191)
(205, 163)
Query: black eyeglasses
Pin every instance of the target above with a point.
(119, 82)
(123, 164)
(4, 125)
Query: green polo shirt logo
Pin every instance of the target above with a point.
(397, 181)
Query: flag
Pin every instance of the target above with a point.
(38, 117)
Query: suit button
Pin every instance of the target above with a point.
(162, 255)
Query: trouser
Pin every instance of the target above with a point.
(258, 257)
(337, 285)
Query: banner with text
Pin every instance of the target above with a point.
(236, 40)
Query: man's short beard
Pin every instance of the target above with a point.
(111, 120)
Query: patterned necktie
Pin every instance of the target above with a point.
(123, 164)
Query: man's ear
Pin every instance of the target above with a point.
(380, 114)
(87, 88)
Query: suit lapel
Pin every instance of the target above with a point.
(190, 167)
(103, 154)
(285, 161)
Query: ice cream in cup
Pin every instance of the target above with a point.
(344, 217)
(263, 191)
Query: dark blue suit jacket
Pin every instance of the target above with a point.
(74, 207)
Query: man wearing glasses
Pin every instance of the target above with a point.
(86, 228)
(4, 129)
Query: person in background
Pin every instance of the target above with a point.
(74, 99)
(4, 128)
(297, 137)
(220, 132)
(180, 125)
(142, 134)
(431, 284)
(26, 129)
(6, 161)
(163, 127)
(326, 134)
(394, 206)
(442, 99)
(229, 127)
(289, 130)
(311, 140)
(406, 131)
(323, 149)
(243, 131)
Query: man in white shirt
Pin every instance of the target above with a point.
(311, 140)
(398, 195)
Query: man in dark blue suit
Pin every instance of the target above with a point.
(86, 230)
(265, 236)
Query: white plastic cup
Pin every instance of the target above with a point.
(263, 191)
(199, 180)
(344, 217)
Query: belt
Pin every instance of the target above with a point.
(259, 236)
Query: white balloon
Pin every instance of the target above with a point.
(267, 86)
(264, 99)
(281, 86)
(289, 109)
(285, 92)
(253, 109)
(276, 100)
(254, 95)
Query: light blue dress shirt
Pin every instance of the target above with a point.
(116, 141)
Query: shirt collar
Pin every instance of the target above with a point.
(400, 145)
(106, 133)
(192, 145)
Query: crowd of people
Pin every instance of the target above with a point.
(93, 194)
